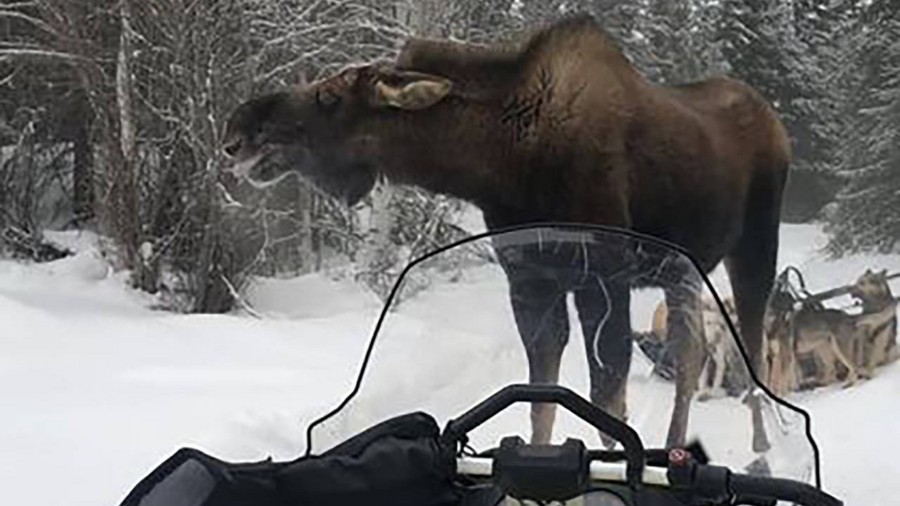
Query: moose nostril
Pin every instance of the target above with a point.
(232, 148)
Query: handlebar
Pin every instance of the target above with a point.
(705, 483)
(457, 429)
(748, 487)
(610, 472)
(548, 472)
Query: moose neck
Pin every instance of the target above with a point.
(452, 148)
(501, 139)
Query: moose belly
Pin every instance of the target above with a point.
(707, 235)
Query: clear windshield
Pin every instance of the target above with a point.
(497, 310)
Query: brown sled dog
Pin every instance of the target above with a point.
(724, 370)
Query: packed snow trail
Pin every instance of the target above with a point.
(97, 388)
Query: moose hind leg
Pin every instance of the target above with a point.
(752, 275)
(604, 310)
(539, 306)
(751, 265)
(686, 332)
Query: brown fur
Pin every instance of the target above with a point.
(830, 339)
(780, 357)
(559, 128)
(723, 364)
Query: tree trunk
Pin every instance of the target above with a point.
(429, 18)
(378, 254)
(82, 174)
(127, 209)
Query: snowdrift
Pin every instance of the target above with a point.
(97, 388)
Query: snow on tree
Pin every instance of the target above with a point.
(120, 104)
(765, 48)
(867, 214)
(161, 77)
(681, 40)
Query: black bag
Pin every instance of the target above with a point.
(399, 462)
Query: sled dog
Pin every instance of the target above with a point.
(878, 321)
(718, 376)
(828, 340)
(783, 376)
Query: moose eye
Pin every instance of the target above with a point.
(327, 100)
(260, 135)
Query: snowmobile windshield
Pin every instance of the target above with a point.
(617, 315)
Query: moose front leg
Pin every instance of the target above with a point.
(604, 311)
(685, 331)
(539, 306)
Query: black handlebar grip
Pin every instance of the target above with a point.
(803, 494)
(753, 501)
(457, 428)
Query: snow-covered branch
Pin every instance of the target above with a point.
(42, 53)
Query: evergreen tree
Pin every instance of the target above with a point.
(764, 47)
(818, 131)
(681, 40)
(868, 210)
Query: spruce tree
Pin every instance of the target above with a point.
(868, 210)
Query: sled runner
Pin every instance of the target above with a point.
(454, 429)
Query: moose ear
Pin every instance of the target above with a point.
(420, 93)
(301, 79)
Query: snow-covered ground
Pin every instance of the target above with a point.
(96, 388)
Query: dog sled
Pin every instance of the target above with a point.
(808, 344)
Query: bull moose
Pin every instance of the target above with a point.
(561, 128)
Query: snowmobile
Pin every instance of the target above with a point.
(439, 414)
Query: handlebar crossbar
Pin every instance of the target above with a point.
(742, 487)
(613, 472)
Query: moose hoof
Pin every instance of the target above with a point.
(761, 442)
(708, 395)
(608, 442)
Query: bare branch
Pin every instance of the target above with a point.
(290, 64)
(41, 53)
(240, 300)
(37, 22)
